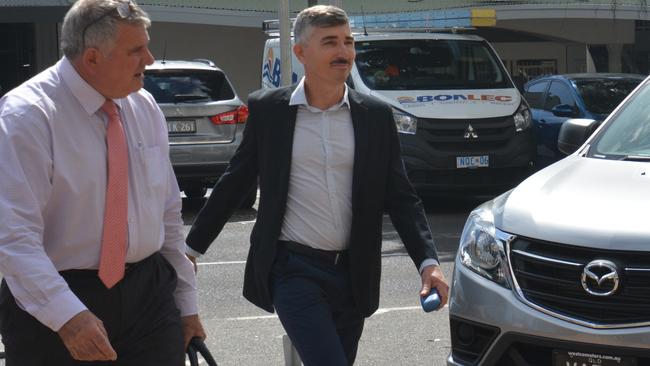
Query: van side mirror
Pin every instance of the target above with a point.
(563, 110)
(574, 132)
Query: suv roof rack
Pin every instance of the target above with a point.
(205, 61)
(272, 26)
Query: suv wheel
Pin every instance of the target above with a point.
(195, 192)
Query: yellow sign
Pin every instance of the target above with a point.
(484, 17)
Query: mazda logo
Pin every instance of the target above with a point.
(600, 278)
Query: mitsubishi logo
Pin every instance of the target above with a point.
(600, 278)
(470, 133)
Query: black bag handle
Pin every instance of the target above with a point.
(197, 346)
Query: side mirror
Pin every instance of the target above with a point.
(563, 110)
(574, 132)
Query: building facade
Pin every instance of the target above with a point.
(532, 37)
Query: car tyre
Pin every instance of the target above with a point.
(195, 192)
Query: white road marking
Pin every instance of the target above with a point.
(379, 311)
(244, 262)
(246, 222)
(213, 263)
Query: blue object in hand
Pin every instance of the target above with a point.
(431, 301)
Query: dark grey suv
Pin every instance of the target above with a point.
(205, 120)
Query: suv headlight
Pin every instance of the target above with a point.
(480, 248)
(405, 123)
(522, 118)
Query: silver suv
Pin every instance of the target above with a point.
(205, 120)
(557, 271)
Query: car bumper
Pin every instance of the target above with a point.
(201, 164)
(512, 329)
(434, 171)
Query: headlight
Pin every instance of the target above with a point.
(522, 118)
(405, 123)
(480, 248)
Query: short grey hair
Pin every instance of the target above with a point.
(99, 19)
(322, 16)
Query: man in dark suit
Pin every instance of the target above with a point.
(328, 162)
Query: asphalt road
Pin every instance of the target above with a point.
(399, 333)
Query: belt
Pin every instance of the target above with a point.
(128, 267)
(334, 257)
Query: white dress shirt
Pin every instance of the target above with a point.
(53, 179)
(319, 203)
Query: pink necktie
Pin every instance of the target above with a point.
(114, 235)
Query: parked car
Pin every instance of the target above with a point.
(205, 120)
(556, 98)
(557, 270)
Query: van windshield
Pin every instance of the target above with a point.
(429, 64)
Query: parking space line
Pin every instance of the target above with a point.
(213, 263)
(385, 255)
(379, 311)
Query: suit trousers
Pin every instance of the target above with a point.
(139, 314)
(314, 302)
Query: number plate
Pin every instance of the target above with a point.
(472, 161)
(572, 358)
(181, 126)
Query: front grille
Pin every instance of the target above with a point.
(514, 349)
(448, 134)
(549, 275)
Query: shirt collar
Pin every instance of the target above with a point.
(89, 98)
(298, 97)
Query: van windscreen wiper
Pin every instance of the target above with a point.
(636, 158)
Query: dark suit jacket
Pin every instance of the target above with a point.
(379, 184)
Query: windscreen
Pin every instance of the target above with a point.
(187, 86)
(627, 134)
(601, 96)
(429, 64)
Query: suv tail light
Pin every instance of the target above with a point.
(239, 115)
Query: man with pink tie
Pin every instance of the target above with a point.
(91, 236)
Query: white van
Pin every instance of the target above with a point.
(464, 126)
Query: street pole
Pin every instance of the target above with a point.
(285, 43)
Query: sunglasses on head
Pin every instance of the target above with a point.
(125, 10)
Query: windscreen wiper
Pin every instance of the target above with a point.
(188, 97)
(636, 158)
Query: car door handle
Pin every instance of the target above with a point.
(542, 121)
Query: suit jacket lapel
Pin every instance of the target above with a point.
(359, 114)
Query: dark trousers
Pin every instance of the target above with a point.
(314, 302)
(139, 314)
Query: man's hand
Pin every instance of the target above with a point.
(86, 339)
(192, 327)
(432, 277)
(193, 260)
